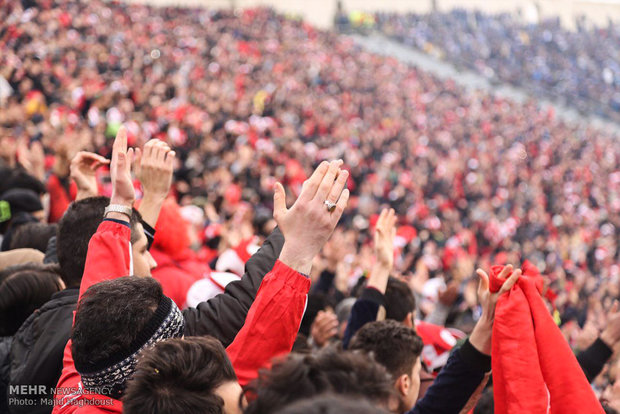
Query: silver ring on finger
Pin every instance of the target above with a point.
(330, 206)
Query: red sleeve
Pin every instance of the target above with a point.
(108, 257)
(109, 254)
(272, 323)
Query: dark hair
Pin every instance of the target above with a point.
(393, 345)
(110, 315)
(303, 376)
(19, 178)
(21, 293)
(331, 404)
(399, 300)
(33, 236)
(75, 230)
(179, 376)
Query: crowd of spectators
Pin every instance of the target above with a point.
(248, 98)
(579, 68)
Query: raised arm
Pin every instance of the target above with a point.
(469, 364)
(272, 323)
(224, 315)
(366, 307)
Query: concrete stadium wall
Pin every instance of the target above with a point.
(321, 12)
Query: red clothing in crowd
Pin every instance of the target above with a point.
(534, 369)
(269, 330)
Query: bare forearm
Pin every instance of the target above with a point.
(150, 208)
(480, 337)
(379, 276)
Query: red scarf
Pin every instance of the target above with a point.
(534, 369)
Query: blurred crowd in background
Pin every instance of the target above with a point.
(248, 98)
(578, 68)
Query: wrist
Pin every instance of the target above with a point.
(607, 338)
(121, 201)
(153, 197)
(295, 261)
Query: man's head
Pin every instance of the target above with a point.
(400, 302)
(304, 376)
(190, 375)
(33, 236)
(23, 289)
(75, 230)
(398, 348)
(115, 319)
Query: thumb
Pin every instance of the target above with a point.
(279, 201)
(483, 285)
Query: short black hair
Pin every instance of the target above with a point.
(33, 236)
(399, 300)
(22, 292)
(77, 226)
(331, 404)
(110, 315)
(329, 371)
(392, 344)
(19, 178)
(179, 376)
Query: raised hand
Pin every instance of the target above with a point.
(154, 166)
(307, 225)
(385, 231)
(120, 171)
(480, 337)
(324, 327)
(83, 171)
(32, 159)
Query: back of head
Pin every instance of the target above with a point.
(399, 300)
(33, 236)
(393, 345)
(19, 178)
(179, 376)
(75, 230)
(114, 320)
(331, 404)
(304, 376)
(22, 292)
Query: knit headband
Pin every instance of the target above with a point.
(109, 377)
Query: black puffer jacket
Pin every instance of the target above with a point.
(37, 349)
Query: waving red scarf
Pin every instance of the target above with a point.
(534, 369)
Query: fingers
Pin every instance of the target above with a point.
(120, 143)
(338, 186)
(614, 307)
(311, 185)
(279, 201)
(328, 182)
(170, 160)
(505, 272)
(381, 220)
(508, 284)
(341, 205)
(483, 285)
